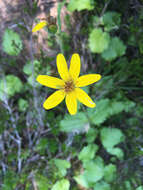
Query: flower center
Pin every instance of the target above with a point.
(69, 86)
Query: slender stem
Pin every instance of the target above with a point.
(59, 33)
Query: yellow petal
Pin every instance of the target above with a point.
(51, 82)
(39, 26)
(62, 67)
(71, 103)
(74, 66)
(87, 79)
(84, 98)
(55, 99)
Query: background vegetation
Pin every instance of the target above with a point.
(97, 149)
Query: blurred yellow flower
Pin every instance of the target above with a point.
(39, 26)
(68, 85)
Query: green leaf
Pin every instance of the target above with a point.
(110, 137)
(10, 86)
(42, 145)
(52, 145)
(111, 20)
(108, 107)
(61, 184)
(102, 186)
(10, 180)
(100, 113)
(81, 180)
(99, 161)
(42, 182)
(22, 104)
(128, 105)
(88, 152)
(110, 173)
(139, 188)
(62, 165)
(98, 40)
(93, 171)
(80, 5)
(11, 42)
(117, 152)
(116, 107)
(29, 68)
(128, 185)
(76, 123)
(115, 49)
(91, 135)
(32, 81)
(106, 83)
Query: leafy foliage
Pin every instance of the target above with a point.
(9, 86)
(98, 40)
(88, 152)
(102, 186)
(76, 123)
(110, 173)
(22, 104)
(80, 5)
(112, 107)
(115, 49)
(110, 137)
(99, 148)
(93, 171)
(91, 135)
(62, 165)
(12, 43)
(29, 67)
(42, 182)
(62, 184)
(10, 181)
(139, 188)
(111, 20)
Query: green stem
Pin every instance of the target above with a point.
(60, 41)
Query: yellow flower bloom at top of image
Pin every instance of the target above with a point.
(39, 26)
(68, 86)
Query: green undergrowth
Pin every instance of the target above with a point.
(98, 148)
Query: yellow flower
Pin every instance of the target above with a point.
(68, 85)
(39, 26)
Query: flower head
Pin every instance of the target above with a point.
(68, 86)
(39, 26)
